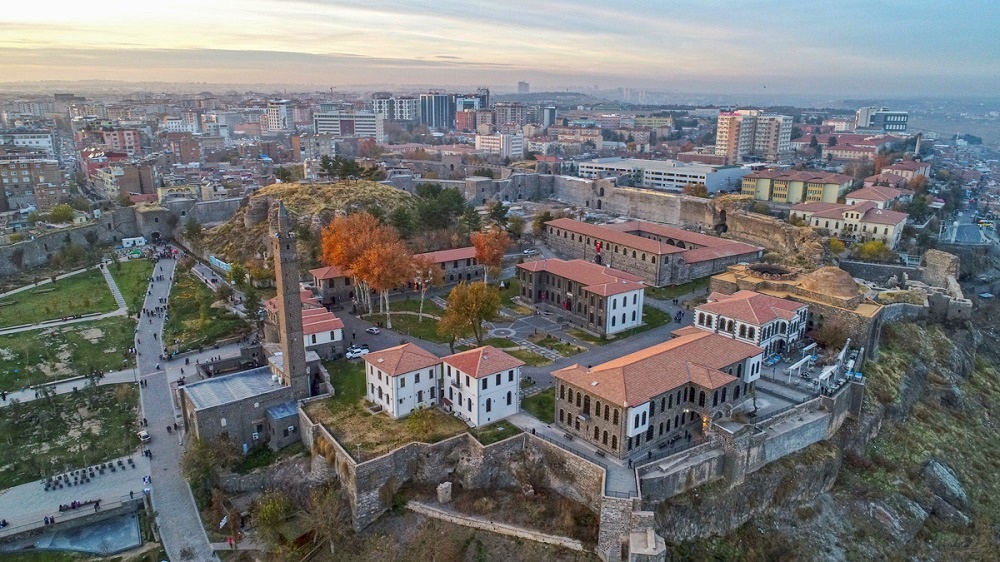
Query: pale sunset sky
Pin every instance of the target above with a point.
(916, 47)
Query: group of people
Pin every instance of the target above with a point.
(75, 504)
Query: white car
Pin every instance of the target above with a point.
(374, 330)
(531, 252)
(355, 353)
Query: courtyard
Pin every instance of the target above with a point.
(83, 293)
(195, 319)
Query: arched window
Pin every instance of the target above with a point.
(604, 438)
(562, 392)
(670, 401)
(736, 393)
(644, 256)
(633, 254)
(644, 418)
(701, 318)
(668, 426)
(739, 371)
(701, 398)
(597, 433)
(616, 417)
(614, 442)
(743, 330)
(652, 259)
(570, 395)
(561, 415)
(470, 404)
(636, 421)
(489, 405)
(510, 398)
(751, 332)
(661, 428)
(715, 398)
(724, 390)
(730, 327)
(597, 408)
(607, 412)
(578, 399)
(601, 194)
(586, 405)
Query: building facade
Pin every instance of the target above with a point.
(599, 299)
(637, 403)
(504, 145)
(333, 286)
(770, 323)
(861, 223)
(362, 124)
(402, 379)
(458, 264)
(482, 385)
(749, 135)
(279, 116)
(659, 255)
(664, 175)
(780, 186)
(396, 108)
(881, 119)
(436, 111)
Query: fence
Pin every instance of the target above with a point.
(64, 517)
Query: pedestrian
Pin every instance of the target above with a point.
(144, 423)
(131, 494)
(630, 463)
(230, 542)
(97, 506)
(649, 456)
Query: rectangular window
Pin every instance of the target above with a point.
(485, 382)
(498, 379)
(510, 376)
(416, 377)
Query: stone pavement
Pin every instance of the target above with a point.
(177, 516)
(115, 291)
(30, 503)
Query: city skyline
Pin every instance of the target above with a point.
(847, 48)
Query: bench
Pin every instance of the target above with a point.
(568, 436)
(601, 453)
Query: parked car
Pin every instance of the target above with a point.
(356, 347)
(144, 436)
(356, 353)
(374, 330)
(531, 252)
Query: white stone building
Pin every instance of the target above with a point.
(862, 222)
(402, 379)
(482, 385)
(768, 322)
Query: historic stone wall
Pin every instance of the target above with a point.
(616, 523)
(880, 272)
(494, 527)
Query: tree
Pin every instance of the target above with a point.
(483, 172)
(426, 274)
(490, 248)
(470, 220)
(251, 302)
(329, 512)
(402, 220)
(192, 229)
(283, 174)
(515, 226)
(61, 213)
(468, 307)
(836, 246)
(225, 292)
(918, 183)
(813, 143)
(696, 190)
(761, 208)
(341, 246)
(538, 222)
(875, 250)
(384, 265)
(238, 275)
(832, 141)
(497, 213)
(272, 509)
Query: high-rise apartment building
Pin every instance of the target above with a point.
(279, 116)
(506, 145)
(750, 135)
(123, 140)
(345, 123)
(396, 108)
(20, 177)
(436, 111)
(881, 119)
(509, 112)
(549, 116)
(523, 87)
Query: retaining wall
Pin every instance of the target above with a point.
(493, 527)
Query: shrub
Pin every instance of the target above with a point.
(836, 246)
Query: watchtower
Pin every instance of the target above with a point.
(286, 272)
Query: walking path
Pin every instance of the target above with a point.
(44, 282)
(178, 520)
(114, 288)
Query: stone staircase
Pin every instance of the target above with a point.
(114, 288)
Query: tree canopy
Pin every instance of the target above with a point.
(469, 305)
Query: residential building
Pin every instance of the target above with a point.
(36, 140)
(653, 122)
(665, 175)
(637, 403)
(465, 120)
(509, 112)
(849, 152)
(883, 197)
(128, 141)
(784, 186)
(402, 379)
(435, 111)
(171, 124)
(599, 299)
(346, 123)
(549, 116)
(279, 116)
(861, 222)
(502, 144)
(869, 140)
(313, 146)
(523, 87)
(323, 332)
(881, 119)
(581, 135)
(750, 135)
(334, 287)
(396, 108)
(20, 177)
(840, 124)
(886, 179)
(768, 322)
(659, 255)
(482, 385)
(909, 169)
(457, 264)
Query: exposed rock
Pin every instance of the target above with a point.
(953, 397)
(444, 492)
(948, 514)
(899, 516)
(942, 481)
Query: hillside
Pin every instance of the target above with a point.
(916, 478)
(243, 238)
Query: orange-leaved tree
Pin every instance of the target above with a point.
(385, 265)
(490, 247)
(426, 274)
(345, 239)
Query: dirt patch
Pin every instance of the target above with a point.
(93, 335)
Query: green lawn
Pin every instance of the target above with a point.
(132, 278)
(513, 289)
(560, 347)
(541, 405)
(529, 357)
(29, 358)
(68, 431)
(410, 325)
(499, 343)
(80, 294)
(653, 318)
(262, 456)
(348, 380)
(44, 556)
(585, 336)
(192, 319)
(674, 291)
(413, 305)
(496, 431)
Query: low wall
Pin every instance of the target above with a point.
(880, 272)
(493, 527)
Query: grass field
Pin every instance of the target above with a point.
(83, 293)
(507, 294)
(560, 347)
(68, 431)
(499, 343)
(652, 318)
(665, 293)
(132, 278)
(413, 305)
(529, 357)
(586, 336)
(410, 325)
(29, 358)
(192, 319)
(496, 431)
(347, 418)
(541, 405)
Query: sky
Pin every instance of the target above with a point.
(843, 47)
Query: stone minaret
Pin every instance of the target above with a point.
(286, 272)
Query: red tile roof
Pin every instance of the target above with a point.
(909, 166)
(611, 235)
(329, 272)
(442, 256)
(750, 307)
(636, 378)
(808, 176)
(596, 279)
(870, 213)
(482, 361)
(876, 193)
(307, 298)
(401, 359)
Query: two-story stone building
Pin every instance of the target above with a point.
(457, 264)
(333, 286)
(634, 404)
(770, 323)
(598, 299)
(402, 379)
(323, 332)
(660, 255)
(862, 222)
(482, 385)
